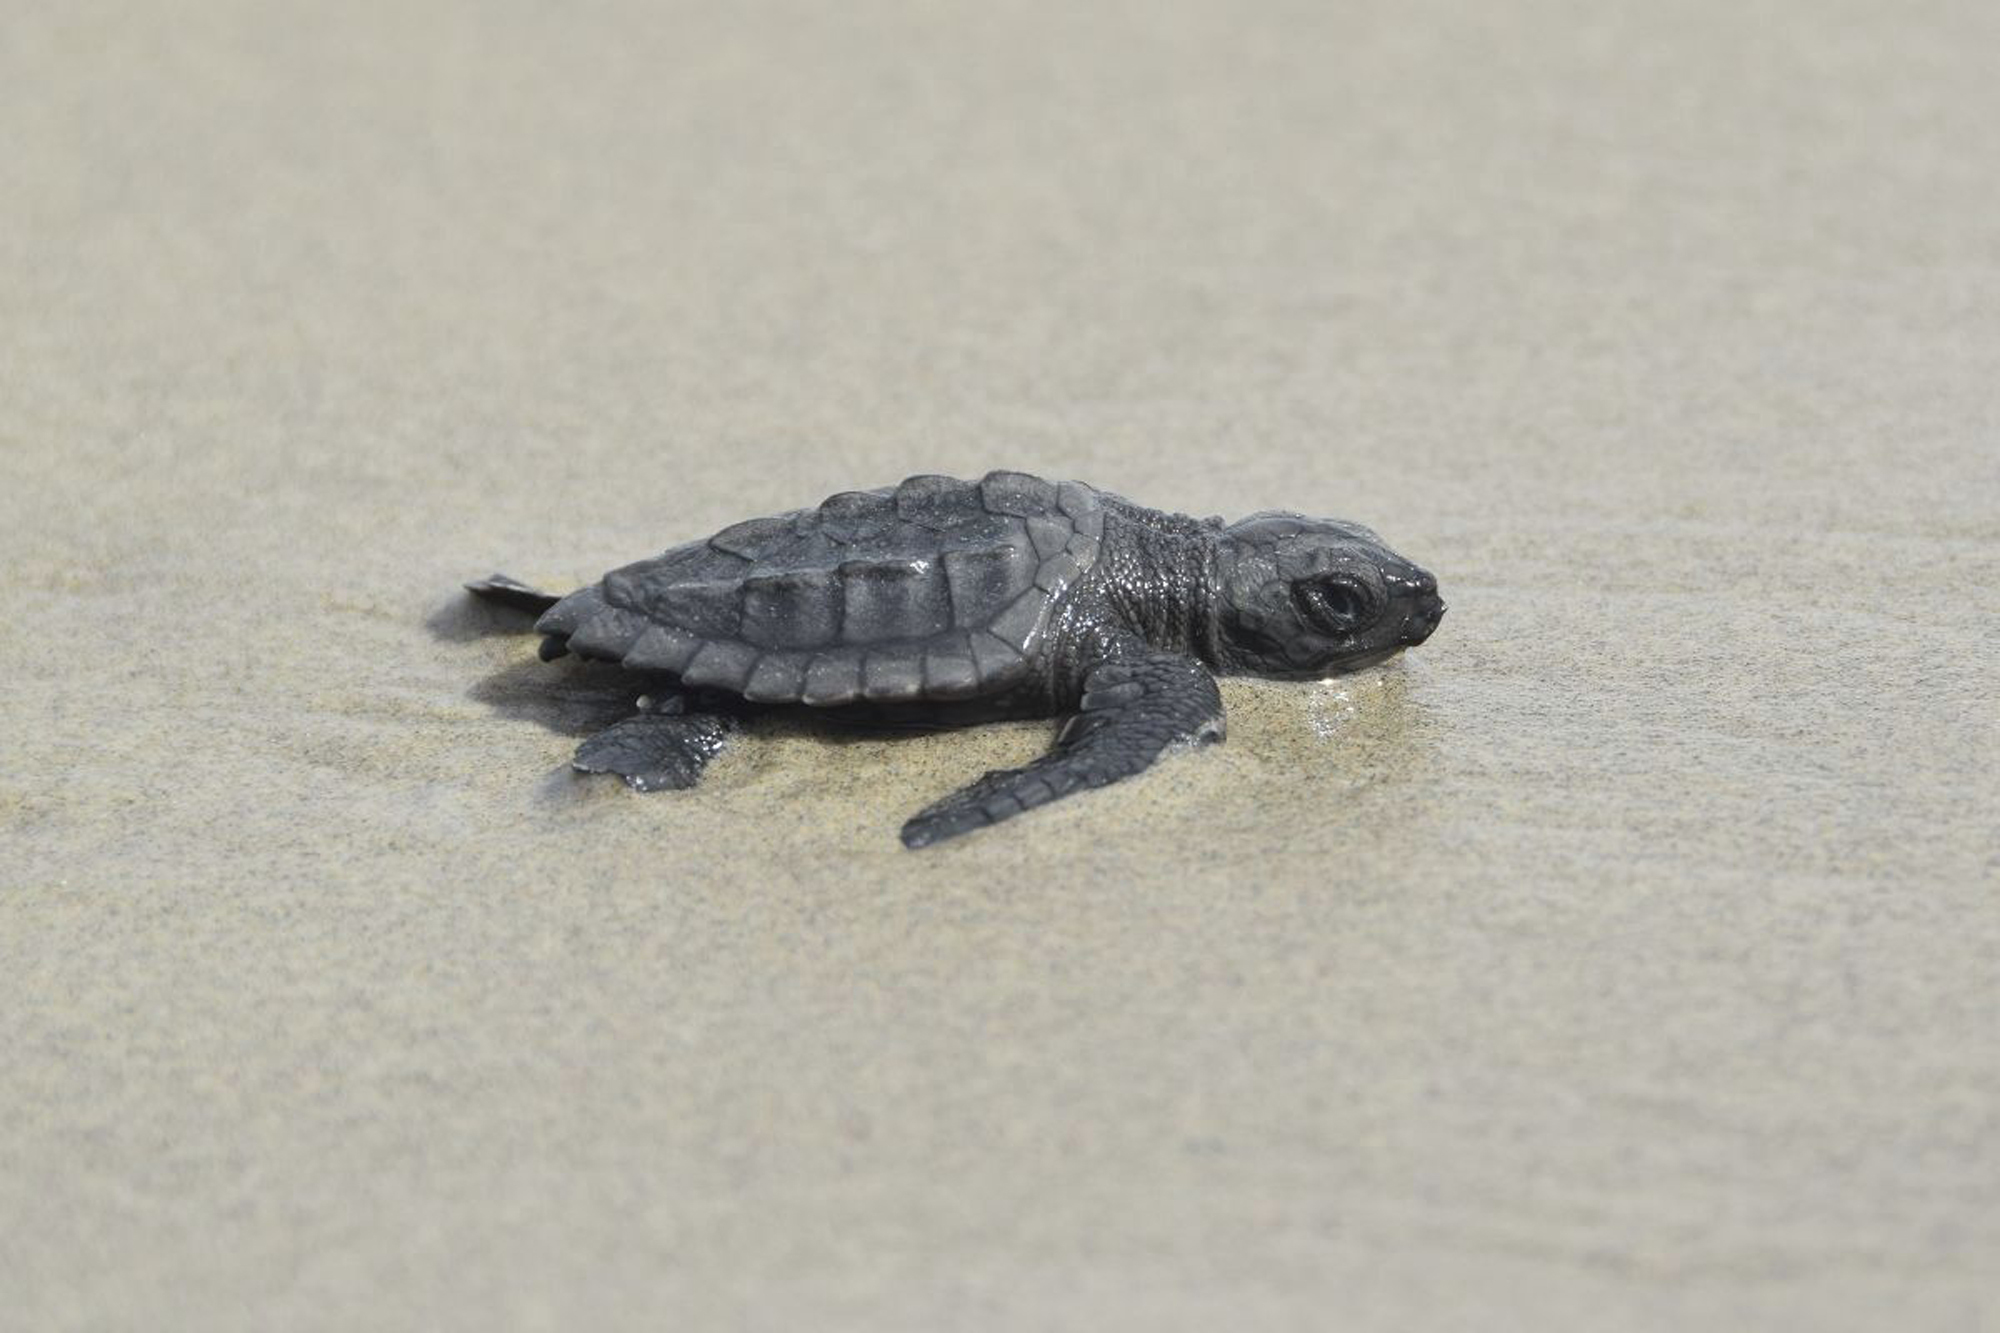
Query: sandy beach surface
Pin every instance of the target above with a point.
(1627, 957)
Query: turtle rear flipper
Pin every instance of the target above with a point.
(1135, 706)
(655, 751)
(512, 592)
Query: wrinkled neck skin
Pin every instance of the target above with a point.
(1154, 582)
(1158, 575)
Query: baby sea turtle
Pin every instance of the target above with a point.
(947, 602)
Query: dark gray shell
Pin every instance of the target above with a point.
(934, 589)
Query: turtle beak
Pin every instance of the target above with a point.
(1424, 619)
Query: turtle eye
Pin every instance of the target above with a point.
(1333, 605)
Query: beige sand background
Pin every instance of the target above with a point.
(1628, 958)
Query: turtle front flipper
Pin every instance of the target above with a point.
(655, 751)
(1135, 706)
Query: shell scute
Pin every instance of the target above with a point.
(1049, 535)
(607, 634)
(712, 608)
(930, 502)
(983, 582)
(891, 675)
(832, 678)
(893, 599)
(852, 517)
(993, 658)
(777, 678)
(798, 609)
(1057, 573)
(723, 664)
(662, 648)
(1020, 625)
(1016, 494)
(567, 616)
(748, 539)
(949, 671)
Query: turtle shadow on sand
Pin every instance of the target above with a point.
(573, 699)
(463, 619)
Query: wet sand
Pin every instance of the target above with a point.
(1625, 958)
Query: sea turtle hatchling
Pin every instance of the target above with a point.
(947, 602)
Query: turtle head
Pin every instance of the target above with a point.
(1302, 598)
